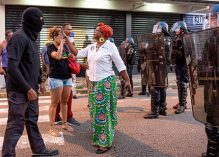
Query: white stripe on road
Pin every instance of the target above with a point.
(42, 108)
(48, 139)
(43, 118)
(41, 102)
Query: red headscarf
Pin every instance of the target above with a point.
(107, 31)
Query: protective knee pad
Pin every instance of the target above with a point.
(213, 140)
(182, 93)
(162, 97)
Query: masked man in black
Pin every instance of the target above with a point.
(23, 79)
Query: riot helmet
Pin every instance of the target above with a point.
(130, 40)
(179, 25)
(159, 27)
(214, 16)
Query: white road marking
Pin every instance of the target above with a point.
(48, 139)
(42, 108)
(43, 118)
(23, 141)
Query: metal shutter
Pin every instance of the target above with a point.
(143, 22)
(83, 21)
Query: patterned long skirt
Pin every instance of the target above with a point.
(103, 111)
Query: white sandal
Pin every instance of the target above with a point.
(54, 132)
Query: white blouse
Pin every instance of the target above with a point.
(100, 61)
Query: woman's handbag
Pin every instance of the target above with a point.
(73, 66)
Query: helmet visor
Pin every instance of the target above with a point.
(175, 28)
(213, 20)
(157, 29)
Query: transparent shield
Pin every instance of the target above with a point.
(151, 46)
(202, 56)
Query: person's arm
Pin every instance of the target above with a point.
(72, 48)
(2, 72)
(15, 49)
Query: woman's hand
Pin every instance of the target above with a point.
(84, 66)
(70, 55)
(43, 88)
(63, 41)
(128, 86)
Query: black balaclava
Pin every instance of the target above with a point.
(32, 22)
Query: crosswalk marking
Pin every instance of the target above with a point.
(41, 108)
(23, 142)
(48, 139)
(41, 101)
(43, 118)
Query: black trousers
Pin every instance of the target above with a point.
(21, 113)
(182, 80)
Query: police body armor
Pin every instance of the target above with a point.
(156, 62)
(155, 50)
(202, 57)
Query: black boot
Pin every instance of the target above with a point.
(180, 109)
(143, 90)
(182, 94)
(149, 91)
(46, 152)
(176, 106)
(163, 104)
(213, 138)
(122, 92)
(154, 105)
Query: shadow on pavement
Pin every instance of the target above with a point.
(185, 117)
(124, 145)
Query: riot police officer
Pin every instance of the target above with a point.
(178, 58)
(211, 84)
(157, 54)
(127, 53)
(202, 57)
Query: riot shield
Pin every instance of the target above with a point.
(202, 57)
(153, 48)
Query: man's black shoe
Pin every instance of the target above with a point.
(46, 152)
(163, 113)
(72, 121)
(121, 97)
(129, 95)
(58, 121)
(151, 115)
(142, 93)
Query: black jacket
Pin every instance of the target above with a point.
(23, 63)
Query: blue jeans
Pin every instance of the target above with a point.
(55, 83)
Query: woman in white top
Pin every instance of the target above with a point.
(102, 97)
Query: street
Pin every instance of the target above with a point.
(169, 136)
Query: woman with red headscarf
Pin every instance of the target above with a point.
(102, 97)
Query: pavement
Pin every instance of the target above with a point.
(168, 136)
